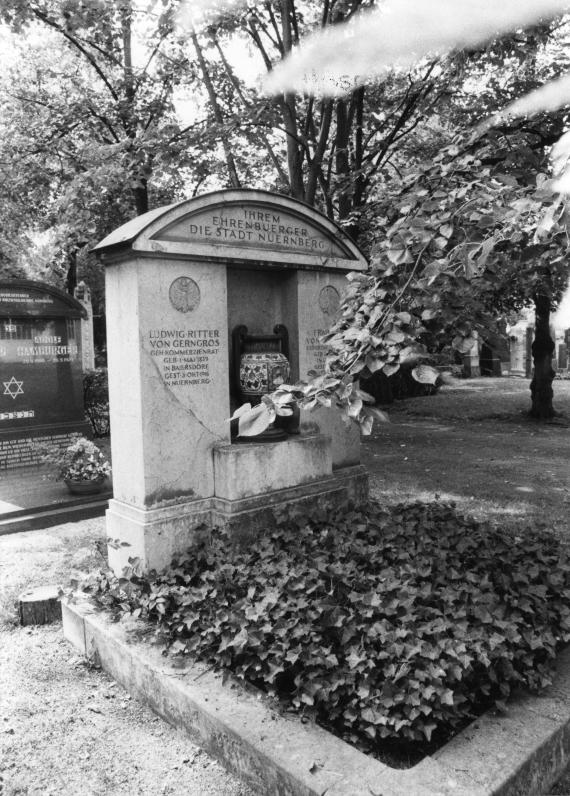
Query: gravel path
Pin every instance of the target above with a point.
(67, 729)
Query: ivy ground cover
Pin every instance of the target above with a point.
(383, 624)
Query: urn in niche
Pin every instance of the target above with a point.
(261, 372)
(260, 365)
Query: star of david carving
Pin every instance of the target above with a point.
(13, 387)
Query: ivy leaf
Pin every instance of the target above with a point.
(464, 344)
(395, 336)
(376, 413)
(241, 410)
(425, 374)
(255, 421)
(366, 425)
(399, 256)
(374, 363)
(428, 315)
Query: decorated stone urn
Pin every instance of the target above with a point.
(262, 372)
(260, 365)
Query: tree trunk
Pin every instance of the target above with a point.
(139, 183)
(71, 276)
(39, 606)
(140, 193)
(342, 159)
(315, 169)
(234, 180)
(289, 112)
(542, 351)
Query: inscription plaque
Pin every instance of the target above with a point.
(316, 351)
(183, 356)
(255, 226)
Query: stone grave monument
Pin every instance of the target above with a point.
(83, 296)
(180, 280)
(520, 340)
(41, 376)
(471, 365)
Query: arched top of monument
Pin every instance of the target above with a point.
(23, 297)
(240, 227)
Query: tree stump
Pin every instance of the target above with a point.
(39, 606)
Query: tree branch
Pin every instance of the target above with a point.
(72, 40)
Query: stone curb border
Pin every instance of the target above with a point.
(522, 752)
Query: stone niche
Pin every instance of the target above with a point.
(179, 280)
(41, 377)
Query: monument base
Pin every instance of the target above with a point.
(246, 470)
(248, 517)
(155, 536)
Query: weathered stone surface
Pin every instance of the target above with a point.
(249, 517)
(245, 470)
(319, 295)
(168, 379)
(155, 536)
(344, 437)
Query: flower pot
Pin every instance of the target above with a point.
(85, 487)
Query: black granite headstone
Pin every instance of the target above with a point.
(41, 378)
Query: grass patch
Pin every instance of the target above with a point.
(384, 625)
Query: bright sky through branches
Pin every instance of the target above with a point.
(400, 33)
(550, 97)
(194, 12)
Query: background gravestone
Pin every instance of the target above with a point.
(83, 296)
(41, 375)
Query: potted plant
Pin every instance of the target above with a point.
(81, 465)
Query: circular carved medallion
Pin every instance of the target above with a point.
(184, 294)
(329, 300)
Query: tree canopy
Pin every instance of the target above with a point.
(461, 222)
(89, 129)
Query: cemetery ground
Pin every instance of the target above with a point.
(472, 444)
(65, 728)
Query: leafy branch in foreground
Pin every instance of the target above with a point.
(474, 235)
(371, 335)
